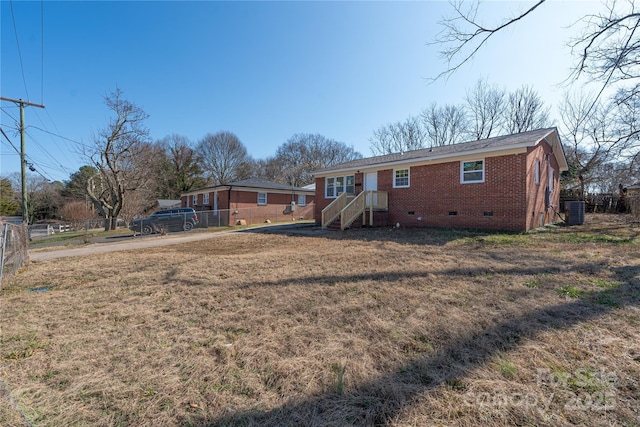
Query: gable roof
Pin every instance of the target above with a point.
(483, 146)
(253, 184)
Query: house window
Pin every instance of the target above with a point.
(205, 199)
(537, 172)
(194, 202)
(262, 198)
(472, 171)
(339, 184)
(551, 174)
(302, 199)
(400, 178)
(350, 184)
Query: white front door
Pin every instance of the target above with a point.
(371, 183)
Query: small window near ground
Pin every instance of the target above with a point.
(471, 172)
(302, 199)
(401, 178)
(262, 198)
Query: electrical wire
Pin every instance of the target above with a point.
(15, 30)
(48, 154)
(83, 145)
(42, 52)
(10, 143)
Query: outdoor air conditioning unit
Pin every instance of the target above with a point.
(574, 212)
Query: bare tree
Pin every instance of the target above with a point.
(607, 50)
(463, 35)
(115, 156)
(399, 137)
(179, 167)
(77, 213)
(591, 136)
(223, 158)
(303, 154)
(525, 110)
(485, 104)
(445, 125)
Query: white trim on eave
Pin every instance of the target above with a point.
(434, 160)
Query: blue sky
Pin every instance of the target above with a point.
(262, 70)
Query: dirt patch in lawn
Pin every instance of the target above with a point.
(366, 327)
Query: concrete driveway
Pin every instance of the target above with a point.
(126, 243)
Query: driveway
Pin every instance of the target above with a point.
(126, 243)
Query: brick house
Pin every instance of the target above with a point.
(503, 183)
(253, 200)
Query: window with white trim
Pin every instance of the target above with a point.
(194, 201)
(401, 178)
(551, 181)
(302, 199)
(537, 172)
(339, 184)
(205, 199)
(472, 171)
(262, 198)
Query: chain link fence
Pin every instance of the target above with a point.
(254, 215)
(14, 245)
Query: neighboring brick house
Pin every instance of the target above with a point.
(503, 183)
(258, 194)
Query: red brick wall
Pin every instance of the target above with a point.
(435, 191)
(242, 199)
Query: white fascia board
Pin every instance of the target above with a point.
(444, 158)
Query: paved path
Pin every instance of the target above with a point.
(170, 239)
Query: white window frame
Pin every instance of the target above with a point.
(264, 202)
(194, 200)
(395, 178)
(551, 180)
(302, 200)
(205, 199)
(339, 189)
(463, 173)
(536, 176)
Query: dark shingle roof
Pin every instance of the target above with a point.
(490, 144)
(262, 183)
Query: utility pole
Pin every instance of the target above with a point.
(23, 153)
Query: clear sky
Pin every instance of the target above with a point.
(262, 70)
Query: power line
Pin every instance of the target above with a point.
(15, 31)
(64, 168)
(42, 52)
(83, 145)
(10, 143)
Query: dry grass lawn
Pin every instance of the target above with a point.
(365, 327)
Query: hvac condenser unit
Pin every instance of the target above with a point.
(574, 212)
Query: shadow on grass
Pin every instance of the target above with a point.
(377, 402)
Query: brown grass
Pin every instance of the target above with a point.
(366, 327)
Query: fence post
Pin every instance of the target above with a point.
(4, 246)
